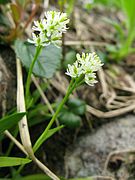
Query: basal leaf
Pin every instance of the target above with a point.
(13, 161)
(44, 138)
(9, 121)
(70, 119)
(77, 106)
(47, 63)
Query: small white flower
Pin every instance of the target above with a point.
(86, 65)
(74, 70)
(90, 79)
(36, 40)
(50, 28)
(90, 62)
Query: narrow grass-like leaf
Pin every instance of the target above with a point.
(35, 177)
(13, 161)
(85, 178)
(9, 121)
(44, 138)
(128, 7)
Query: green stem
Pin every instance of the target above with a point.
(40, 140)
(38, 50)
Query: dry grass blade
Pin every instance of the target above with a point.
(23, 125)
(112, 113)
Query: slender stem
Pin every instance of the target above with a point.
(38, 50)
(40, 140)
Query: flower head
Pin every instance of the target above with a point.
(86, 65)
(50, 29)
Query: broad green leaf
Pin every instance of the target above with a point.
(47, 63)
(70, 119)
(9, 121)
(77, 106)
(13, 161)
(43, 138)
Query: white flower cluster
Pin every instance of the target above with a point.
(85, 65)
(50, 29)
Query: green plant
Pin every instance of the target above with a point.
(83, 70)
(70, 115)
(46, 32)
(125, 31)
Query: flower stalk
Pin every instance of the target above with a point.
(83, 70)
(38, 50)
(41, 138)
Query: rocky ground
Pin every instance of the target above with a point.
(90, 152)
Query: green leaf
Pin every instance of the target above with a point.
(85, 178)
(13, 161)
(53, 131)
(77, 106)
(70, 119)
(128, 7)
(44, 138)
(35, 177)
(47, 63)
(4, 1)
(9, 121)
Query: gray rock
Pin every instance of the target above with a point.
(87, 157)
